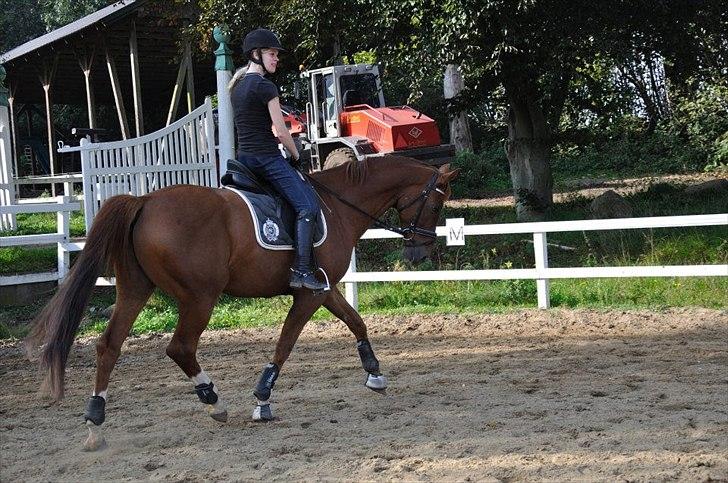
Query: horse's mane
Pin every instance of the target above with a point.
(356, 173)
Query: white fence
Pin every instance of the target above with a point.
(62, 206)
(181, 153)
(541, 272)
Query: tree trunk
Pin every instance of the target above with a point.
(459, 129)
(529, 151)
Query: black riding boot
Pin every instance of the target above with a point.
(303, 268)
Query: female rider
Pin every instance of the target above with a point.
(256, 107)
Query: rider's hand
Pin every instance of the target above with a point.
(295, 161)
(304, 158)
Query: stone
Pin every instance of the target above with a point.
(610, 205)
(713, 186)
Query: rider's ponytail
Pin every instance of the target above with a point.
(237, 76)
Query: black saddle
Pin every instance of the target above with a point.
(239, 176)
(273, 216)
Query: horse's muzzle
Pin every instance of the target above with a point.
(416, 254)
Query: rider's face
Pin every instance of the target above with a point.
(270, 59)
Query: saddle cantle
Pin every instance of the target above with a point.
(273, 216)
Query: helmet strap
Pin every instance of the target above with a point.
(259, 60)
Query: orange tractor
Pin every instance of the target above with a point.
(346, 119)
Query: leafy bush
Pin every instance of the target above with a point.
(701, 120)
(482, 173)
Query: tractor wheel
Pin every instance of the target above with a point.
(338, 157)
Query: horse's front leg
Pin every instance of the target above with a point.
(337, 305)
(304, 306)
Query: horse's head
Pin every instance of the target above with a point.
(419, 208)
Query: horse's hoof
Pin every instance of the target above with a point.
(376, 383)
(218, 412)
(219, 416)
(262, 413)
(95, 440)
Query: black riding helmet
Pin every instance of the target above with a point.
(260, 39)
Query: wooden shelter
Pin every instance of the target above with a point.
(130, 56)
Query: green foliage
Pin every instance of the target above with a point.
(628, 153)
(701, 121)
(40, 223)
(57, 13)
(14, 260)
(482, 173)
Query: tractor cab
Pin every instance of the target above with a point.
(332, 89)
(347, 119)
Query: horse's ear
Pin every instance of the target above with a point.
(445, 168)
(447, 176)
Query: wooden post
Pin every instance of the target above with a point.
(86, 62)
(7, 186)
(63, 257)
(47, 81)
(13, 134)
(135, 83)
(118, 98)
(176, 94)
(541, 254)
(225, 124)
(459, 128)
(190, 79)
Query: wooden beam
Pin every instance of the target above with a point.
(86, 61)
(13, 87)
(190, 79)
(177, 89)
(46, 79)
(118, 99)
(135, 83)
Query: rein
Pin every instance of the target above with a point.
(409, 232)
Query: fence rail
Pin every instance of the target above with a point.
(541, 272)
(181, 153)
(62, 206)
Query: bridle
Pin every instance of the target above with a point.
(409, 232)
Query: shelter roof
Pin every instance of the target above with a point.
(160, 45)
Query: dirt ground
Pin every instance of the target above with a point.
(590, 188)
(528, 395)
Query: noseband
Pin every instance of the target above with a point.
(409, 232)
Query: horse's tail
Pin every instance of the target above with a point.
(109, 242)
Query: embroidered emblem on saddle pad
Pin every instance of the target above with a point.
(275, 220)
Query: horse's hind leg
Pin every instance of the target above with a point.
(132, 292)
(194, 315)
(337, 305)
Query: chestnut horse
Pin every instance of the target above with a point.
(197, 243)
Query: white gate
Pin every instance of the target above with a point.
(181, 153)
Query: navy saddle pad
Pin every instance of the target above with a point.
(273, 217)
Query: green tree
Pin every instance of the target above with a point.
(533, 52)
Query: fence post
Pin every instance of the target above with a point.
(64, 228)
(352, 292)
(89, 186)
(542, 261)
(7, 183)
(223, 67)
